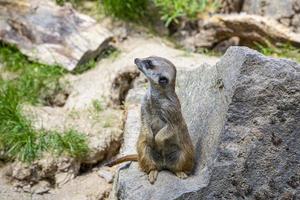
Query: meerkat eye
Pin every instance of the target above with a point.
(163, 80)
(149, 65)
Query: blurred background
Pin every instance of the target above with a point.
(68, 84)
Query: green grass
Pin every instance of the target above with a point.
(97, 105)
(280, 50)
(62, 2)
(33, 79)
(209, 52)
(17, 137)
(144, 11)
(171, 10)
(71, 143)
(132, 10)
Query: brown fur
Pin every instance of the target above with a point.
(126, 158)
(164, 141)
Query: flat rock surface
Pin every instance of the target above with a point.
(51, 34)
(243, 117)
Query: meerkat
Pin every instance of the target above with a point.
(164, 142)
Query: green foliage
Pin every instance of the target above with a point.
(34, 78)
(171, 10)
(86, 66)
(132, 10)
(97, 105)
(17, 137)
(280, 50)
(138, 10)
(71, 143)
(209, 52)
(62, 2)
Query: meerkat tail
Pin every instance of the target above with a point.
(133, 157)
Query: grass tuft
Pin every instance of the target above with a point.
(97, 105)
(132, 10)
(71, 143)
(172, 10)
(18, 140)
(280, 50)
(33, 78)
(62, 2)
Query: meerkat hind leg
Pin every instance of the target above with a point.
(181, 175)
(152, 176)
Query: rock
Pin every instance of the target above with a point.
(230, 6)
(250, 29)
(51, 34)
(87, 186)
(33, 177)
(232, 110)
(132, 125)
(224, 45)
(61, 178)
(296, 23)
(282, 11)
(41, 188)
(107, 174)
(20, 171)
(27, 188)
(274, 8)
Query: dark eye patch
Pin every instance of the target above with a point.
(148, 64)
(163, 80)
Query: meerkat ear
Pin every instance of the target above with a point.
(163, 80)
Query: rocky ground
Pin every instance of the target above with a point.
(107, 83)
(241, 109)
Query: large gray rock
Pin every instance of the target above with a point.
(287, 12)
(51, 34)
(244, 118)
(236, 29)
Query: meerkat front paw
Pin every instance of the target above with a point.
(152, 176)
(181, 175)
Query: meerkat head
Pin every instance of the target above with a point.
(160, 72)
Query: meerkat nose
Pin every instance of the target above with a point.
(137, 61)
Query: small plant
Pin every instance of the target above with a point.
(172, 10)
(208, 52)
(132, 10)
(62, 2)
(33, 78)
(97, 105)
(86, 66)
(70, 143)
(280, 50)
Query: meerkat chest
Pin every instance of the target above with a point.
(155, 116)
(156, 124)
